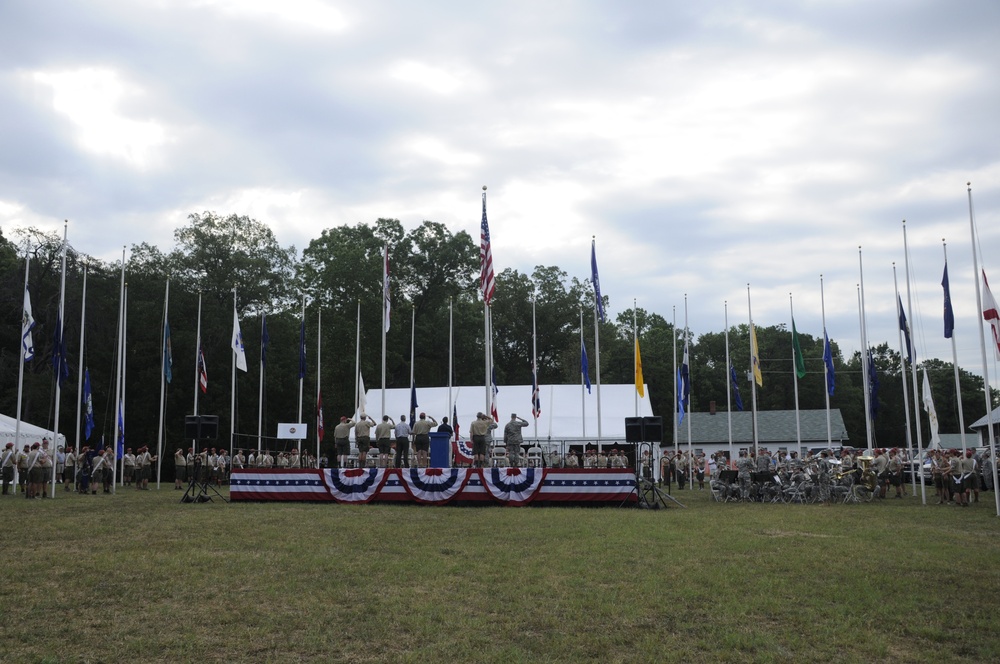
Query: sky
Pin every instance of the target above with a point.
(709, 149)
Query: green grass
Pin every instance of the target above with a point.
(141, 577)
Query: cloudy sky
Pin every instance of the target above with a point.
(706, 146)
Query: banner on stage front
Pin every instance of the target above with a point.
(294, 431)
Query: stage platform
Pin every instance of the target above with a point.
(437, 486)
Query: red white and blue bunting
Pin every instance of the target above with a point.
(514, 486)
(434, 486)
(354, 485)
(462, 450)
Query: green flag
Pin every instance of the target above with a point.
(800, 363)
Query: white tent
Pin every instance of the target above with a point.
(29, 433)
(568, 412)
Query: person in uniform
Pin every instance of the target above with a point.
(512, 438)
(98, 466)
(383, 440)
(880, 466)
(8, 459)
(967, 468)
(69, 470)
(180, 469)
(681, 467)
(222, 466)
(479, 430)
(145, 462)
(571, 460)
(342, 440)
(403, 433)
(362, 434)
(744, 473)
(422, 438)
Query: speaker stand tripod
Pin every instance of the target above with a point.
(649, 495)
(198, 491)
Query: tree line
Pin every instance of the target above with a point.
(434, 275)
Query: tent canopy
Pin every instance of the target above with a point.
(29, 433)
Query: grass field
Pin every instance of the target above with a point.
(141, 577)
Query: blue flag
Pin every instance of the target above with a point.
(60, 364)
(168, 356)
(120, 447)
(584, 365)
(828, 361)
(302, 349)
(736, 387)
(596, 280)
(680, 397)
(949, 314)
(685, 392)
(88, 406)
(905, 328)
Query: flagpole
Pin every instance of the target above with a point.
(583, 381)
(982, 347)
(674, 381)
(260, 382)
(865, 359)
(451, 367)
(163, 383)
(535, 397)
(795, 375)
(385, 314)
(120, 352)
(635, 356)
(902, 372)
(27, 324)
(232, 388)
(119, 442)
(197, 371)
(319, 366)
(62, 357)
(753, 383)
(826, 368)
(729, 387)
(357, 361)
(79, 380)
(913, 376)
(413, 339)
(597, 360)
(954, 361)
(686, 393)
(302, 373)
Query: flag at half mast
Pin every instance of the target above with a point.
(991, 314)
(755, 357)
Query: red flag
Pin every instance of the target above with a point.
(487, 279)
(202, 372)
(991, 313)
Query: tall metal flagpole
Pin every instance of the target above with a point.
(386, 310)
(954, 362)
(260, 382)
(319, 366)
(826, 369)
(80, 365)
(232, 390)
(729, 388)
(687, 393)
(451, 361)
(357, 362)
(119, 353)
(598, 316)
(163, 382)
(674, 381)
(753, 382)
(982, 347)
(486, 355)
(534, 369)
(795, 377)
(583, 383)
(913, 375)
(62, 356)
(302, 375)
(635, 356)
(413, 340)
(904, 356)
(27, 352)
(865, 369)
(197, 370)
(120, 436)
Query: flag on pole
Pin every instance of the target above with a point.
(584, 365)
(454, 420)
(680, 398)
(88, 406)
(413, 402)
(596, 281)
(800, 362)
(736, 387)
(949, 313)
(640, 384)
(302, 349)
(685, 392)
(872, 385)
(202, 371)
(487, 278)
(755, 357)
(168, 356)
(120, 446)
(386, 304)
(932, 417)
(265, 340)
(828, 361)
(241, 356)
(905, 327)
(27, 325)
(536, 400)
(60, 365)
(991, 314)
(319, 415)
(362, 397)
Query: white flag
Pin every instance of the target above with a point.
(932, 417)
(362, 400)
(27, 324)
(241, 356)
(991, 314)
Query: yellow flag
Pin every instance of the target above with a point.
(755, 357)
(639, 384)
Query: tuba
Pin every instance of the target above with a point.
(868, 478)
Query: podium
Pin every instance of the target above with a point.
(440, 450)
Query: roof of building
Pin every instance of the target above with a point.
(774, 426)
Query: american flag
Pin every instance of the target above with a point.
(202, 372)
(536, 400)
(385, 288)
(487, 278)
